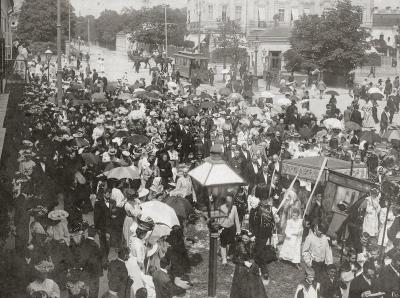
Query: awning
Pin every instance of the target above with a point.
(195, 38)
(295, 14)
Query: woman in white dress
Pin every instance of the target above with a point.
(291, 248)
(371, 218)
(368, 120)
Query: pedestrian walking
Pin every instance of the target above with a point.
(321, 88)
(211, 75)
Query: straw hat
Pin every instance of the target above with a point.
(44, 266)
(58, 215)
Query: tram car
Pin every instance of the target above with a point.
(190, 64)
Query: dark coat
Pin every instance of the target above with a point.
(389, 281)
(329, 288)
(356, 117)
(164, 286)
(118, 278)
(102, 216)
(359, 285)
(384, 120)
(250, 175)
(274, 147)
(91, 258)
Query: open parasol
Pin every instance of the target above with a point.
(283, 101)
(224, 91)
(371, 137)
(164, 218)
(253, 111)
(266, 94)
(125, 96)
(375, 93)
(153, 87)
(90, 158)
(352, 126)
(181, 206)
(122, 173)
(136, 139)
(332, 92)
(333, 123)
(80, 102)
(205, 95)
(394, 135)
(99, 98)
(235, 96)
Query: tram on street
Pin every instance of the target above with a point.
(190, 64)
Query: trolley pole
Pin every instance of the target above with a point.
(59, 69)
(166, 31)
(198, 37)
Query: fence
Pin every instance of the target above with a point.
(16, 71)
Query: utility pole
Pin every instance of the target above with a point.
(88, 31)
(166, 31)
(59, 69)
(199, 11)
(69, 23)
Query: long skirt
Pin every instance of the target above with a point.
(247, 283)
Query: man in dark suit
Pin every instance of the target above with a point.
(202, 145)
(274, 144)
(356, 116)
(164, 286)
(392, 108)
(251, 173)
(363, 283)
(102, 220)
(187, 143)
(91, 258)
(389, 278)
(118, 277)
(330, 283)
(385, 116)
(245, 154)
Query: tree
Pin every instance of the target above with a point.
(294, 61)
(107, 25)
(38, 20)
(230, 41)
(334, 42)
(149, 26)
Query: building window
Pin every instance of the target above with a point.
(238, 13)
(306, 11)
(281, 14)
(210, 12)
(224, 10)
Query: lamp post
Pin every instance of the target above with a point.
(215, 175)
(396, 32)
(59, 68)
(48, 54)
(79, 46)
(256, 45)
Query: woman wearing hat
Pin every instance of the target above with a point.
(371, 217)
(42, 283)
(58, 229)
(247, 280)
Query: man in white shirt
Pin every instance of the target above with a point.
(317, 252)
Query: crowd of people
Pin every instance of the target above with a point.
(99, 174)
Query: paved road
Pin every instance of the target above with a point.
(116, 64)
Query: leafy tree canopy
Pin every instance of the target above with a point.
(333, 42)
(230, 41)
(38, 20)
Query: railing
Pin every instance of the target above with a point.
(16, 70)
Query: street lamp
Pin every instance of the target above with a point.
(256, 45)
(48, 54)
(216, 176)
(396, 32)
(59, 68)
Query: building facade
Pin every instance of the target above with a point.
(266, 24)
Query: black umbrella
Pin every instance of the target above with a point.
(153, 87)
(205, 95)
(136, 139)
(207, 104)
(332, 92)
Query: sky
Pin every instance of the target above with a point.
(95, 7)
